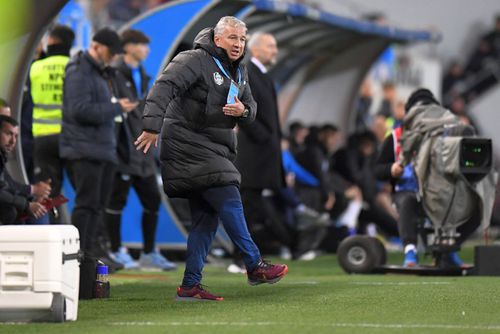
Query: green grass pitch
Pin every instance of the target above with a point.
(315, 297)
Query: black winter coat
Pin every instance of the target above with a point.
(259, 143)
(12, 193)
(198, 145)
(88, 113)
(131, 161)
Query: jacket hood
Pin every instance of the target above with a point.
(205, 40)
(84, 57)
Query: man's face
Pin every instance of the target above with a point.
(104, 53)
(233, 40)
(266, 50)
(331, 140)
(8, 137)
(138, 51)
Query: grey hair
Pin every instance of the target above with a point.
(256, 38)
(228, 21)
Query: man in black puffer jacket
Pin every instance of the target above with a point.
(198, 100)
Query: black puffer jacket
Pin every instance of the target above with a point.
(88, 114)
(198, 142)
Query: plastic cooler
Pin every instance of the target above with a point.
(39, 272)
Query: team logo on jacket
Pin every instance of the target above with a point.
(219, 80)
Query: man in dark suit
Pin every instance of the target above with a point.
(259, 150)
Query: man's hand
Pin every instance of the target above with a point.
(42, 189)
(330, 202)
(236, 109)
(36, 210)
(396, 170)
(127, 105)
(145, 140)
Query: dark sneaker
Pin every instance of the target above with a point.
(267, 273)
(196, 293)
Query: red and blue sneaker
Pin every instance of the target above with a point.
(195, 293)
(266, 272)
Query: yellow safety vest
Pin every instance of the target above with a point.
(47, 77)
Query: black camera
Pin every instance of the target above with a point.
(476, 158)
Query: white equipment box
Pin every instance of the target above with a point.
(39, 272)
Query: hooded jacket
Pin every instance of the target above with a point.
(198, 144)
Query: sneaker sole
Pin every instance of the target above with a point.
(193, 299)
(274, 280)
(410, 265)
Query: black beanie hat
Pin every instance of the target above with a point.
(420, 95)
(109, 38)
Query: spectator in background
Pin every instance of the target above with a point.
(480, 57)
(16, 197)
(308, 224)
(135, 169)
(493, 38)
(389, 96)
(46, 79)
(197, 101)
(87, 140)
(379, 128)
(453, 75)
(297, 134)
(363, 105)
(356, 163)
(313, 158)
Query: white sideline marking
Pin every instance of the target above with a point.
(400, 283)
(301, 283)
(343, 325)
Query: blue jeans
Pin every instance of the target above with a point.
(207, 207)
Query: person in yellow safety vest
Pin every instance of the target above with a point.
(47, 79)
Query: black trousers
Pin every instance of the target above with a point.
(49, 165)
(91, 180)
(410, 212)
(149, 195)
(262, 210)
